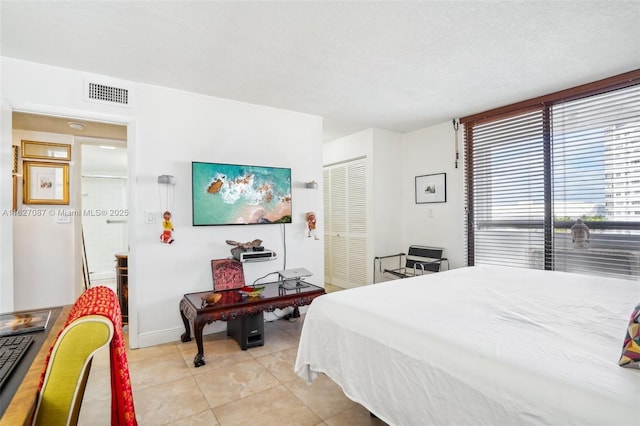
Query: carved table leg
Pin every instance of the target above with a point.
(197, 331)
(186, 336)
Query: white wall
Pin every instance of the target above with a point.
(167, 130)
(429, 151)
(6, 200)
(350, 147)
(394, 162)
(387, 190)
(44, 249)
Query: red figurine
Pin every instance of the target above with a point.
(167, 228)
(311, 224)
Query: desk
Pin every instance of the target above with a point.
(23, 403)
(234, 305)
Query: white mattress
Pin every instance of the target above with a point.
(481, 346)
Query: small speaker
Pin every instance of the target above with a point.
(247, 331)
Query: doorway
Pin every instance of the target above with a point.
(105, 213)
(63, 286)
(63, 267)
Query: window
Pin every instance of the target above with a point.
(534, 168)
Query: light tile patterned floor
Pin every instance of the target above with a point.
(235, 387)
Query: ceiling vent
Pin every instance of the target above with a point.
(107, 94)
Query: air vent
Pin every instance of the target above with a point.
(101, 92)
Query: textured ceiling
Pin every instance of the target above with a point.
(394, 65)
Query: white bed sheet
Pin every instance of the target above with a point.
(479, 345)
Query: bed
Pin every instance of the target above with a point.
(479, 345)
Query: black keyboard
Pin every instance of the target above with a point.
(12, 350)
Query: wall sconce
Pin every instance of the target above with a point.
(311, 185)
(166, 196)
(167, 179)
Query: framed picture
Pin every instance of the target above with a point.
(24, 322)
(45, 183)
(431, 188)
(227, 274)
(46, 150)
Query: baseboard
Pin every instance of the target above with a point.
(170, 335)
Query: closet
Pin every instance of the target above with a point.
(346, 223)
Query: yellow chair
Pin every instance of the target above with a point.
(68, 369)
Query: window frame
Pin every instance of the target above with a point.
(545, 104)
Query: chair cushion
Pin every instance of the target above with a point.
(62, 390)
(102, 301)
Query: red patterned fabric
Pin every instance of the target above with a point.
(227, 274)
(103, 301)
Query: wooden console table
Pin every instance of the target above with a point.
(234, 305)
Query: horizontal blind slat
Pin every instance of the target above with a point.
(593, 171)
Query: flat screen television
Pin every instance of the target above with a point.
(234, 194)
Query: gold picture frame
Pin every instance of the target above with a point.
(46, 150)
(45, 183)
(14, 205)
(14, 165)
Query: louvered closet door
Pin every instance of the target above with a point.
(345, 201)
(326, 198)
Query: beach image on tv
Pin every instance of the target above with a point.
(230, 194)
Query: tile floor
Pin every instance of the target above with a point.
(235, 387)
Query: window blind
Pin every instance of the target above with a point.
(534, 173)
(508, 189)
